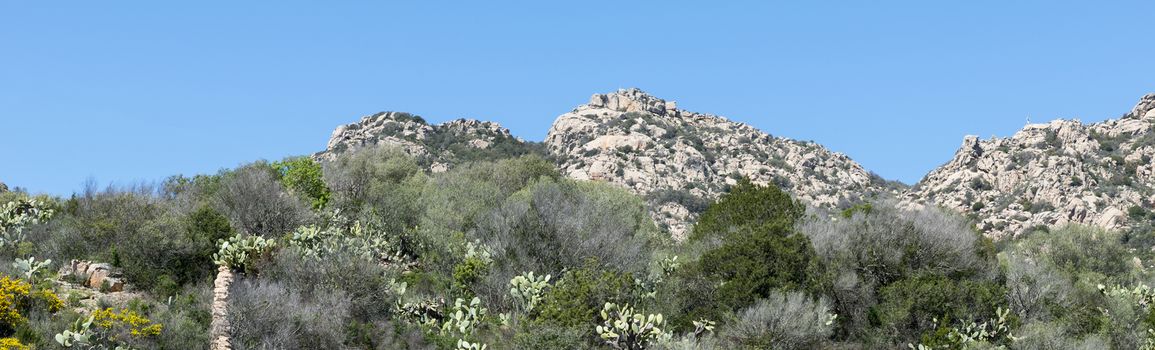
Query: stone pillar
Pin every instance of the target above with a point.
(219, 330)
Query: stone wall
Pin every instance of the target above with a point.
(219, 331)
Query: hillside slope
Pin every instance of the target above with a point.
(1052, 174)
(435, 146)
(680, 160)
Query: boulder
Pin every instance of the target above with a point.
(1111, 218)
(95, 275)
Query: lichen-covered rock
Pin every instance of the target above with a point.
(1051, 174)
(680, 160)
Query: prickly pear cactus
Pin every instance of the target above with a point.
(623, 329)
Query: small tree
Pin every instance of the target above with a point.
(303, 177)
(755, 252)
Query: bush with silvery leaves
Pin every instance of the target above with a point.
(783, 321)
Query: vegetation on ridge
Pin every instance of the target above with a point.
(369, 251)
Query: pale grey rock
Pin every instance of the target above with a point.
(1050, 174)
(432, 145)
(646, 145)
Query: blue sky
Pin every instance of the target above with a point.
(135, 91)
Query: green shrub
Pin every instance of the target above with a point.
(1077, 250)
(919, 304)
(757, 253)
(746, 204)
(302, 176)
(547, 336)
(750, 265)
(172, 250)
(869, 251)
(380, 183)
(552, 226)
(577, 296)
(1137, 213)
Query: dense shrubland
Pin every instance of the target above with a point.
(369, 251)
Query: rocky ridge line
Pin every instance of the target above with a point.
(680, 160)
(436, 146)
(1052, 174)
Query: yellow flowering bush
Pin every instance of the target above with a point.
(13, 298)
(11, 344)
(17, 297)
(125, 321)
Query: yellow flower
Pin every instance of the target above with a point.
(13, 297)
(11, 344)
(50, 300)
(16, 295)
(137, 325)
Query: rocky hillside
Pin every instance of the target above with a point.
(1052, 174)
(680, 160)
(435, 146)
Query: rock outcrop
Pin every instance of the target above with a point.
(1045, 175)
(1052, 174)
(681, 160)
(94, 275)
(435, 146)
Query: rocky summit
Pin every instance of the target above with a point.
(435, 146)
(680, 160)
(1045, 175)
(1052, 174)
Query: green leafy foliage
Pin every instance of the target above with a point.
(899, 252)
(913, 306)
(303, 176)
(393, 256)
(761, 208)
(757, 253)
(578, 295)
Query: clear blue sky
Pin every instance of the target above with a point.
(136, 91)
